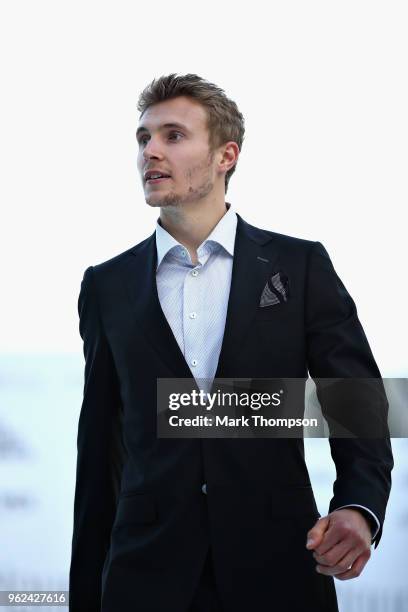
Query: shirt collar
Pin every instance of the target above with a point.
(223, 234)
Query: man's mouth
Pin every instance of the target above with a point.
(158, 180)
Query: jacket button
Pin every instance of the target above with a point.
(204, 488)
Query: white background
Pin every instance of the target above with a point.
(323, 89)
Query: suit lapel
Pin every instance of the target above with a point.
(148, 314)
(250, 271)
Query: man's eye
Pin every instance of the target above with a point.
(142, 140)
(175, 133)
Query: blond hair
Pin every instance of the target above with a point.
(224, 121)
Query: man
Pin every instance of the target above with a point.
(211, 525)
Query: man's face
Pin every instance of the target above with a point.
(179, 151)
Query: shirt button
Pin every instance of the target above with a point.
(193, 315)
(194, 273)
(183, 253)
(194, 362)
(204, 488)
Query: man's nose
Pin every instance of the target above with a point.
(151, 149)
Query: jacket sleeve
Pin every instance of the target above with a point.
(100, 457)
(338, 348)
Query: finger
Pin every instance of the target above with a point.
(351, 569)
(315, 534)
(356, 568)
(333, 555)
(337, 533)
(332, 537)
(341, 566)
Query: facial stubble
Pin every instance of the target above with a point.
(194, 193)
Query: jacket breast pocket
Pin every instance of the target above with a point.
(135, 508)
(269, 313)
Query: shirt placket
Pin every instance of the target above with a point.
(193, 318)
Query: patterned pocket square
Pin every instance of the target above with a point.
(275, 291)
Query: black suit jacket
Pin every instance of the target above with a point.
(142, 524)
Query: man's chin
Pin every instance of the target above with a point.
(161, 202)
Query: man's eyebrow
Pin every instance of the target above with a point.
(142, 128)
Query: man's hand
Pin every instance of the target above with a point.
(341, 542)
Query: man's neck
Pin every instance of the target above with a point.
(191, 226)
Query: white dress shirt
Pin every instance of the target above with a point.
(194, 298)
